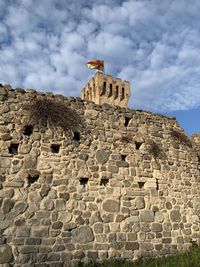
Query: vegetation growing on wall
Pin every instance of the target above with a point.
(46, 112)
(180, 137)
(155, 150)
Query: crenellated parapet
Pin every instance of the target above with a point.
(106, 89)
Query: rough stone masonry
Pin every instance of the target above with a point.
(128, 187)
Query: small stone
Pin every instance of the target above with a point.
(7, 205)
(111, 205)
(5, 163)
(82, 235)
(33, 241)
(140, 203)
(147, 216)
(65, 196)
(175, 216)
(20, 207)
(98, 228)
(30, 161)
(79, 255)
(9, 193)
(5, 254)
(156, 227)
(102, 156)
(20, 222)
(6, 137)
(48, 204)
(131, 245)
(113, 168)
(45, 190)
(57, 225)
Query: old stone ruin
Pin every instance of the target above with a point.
(83, 182)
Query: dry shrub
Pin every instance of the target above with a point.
(46, 112)
(180, 137)
(155, 150)
(126, 139)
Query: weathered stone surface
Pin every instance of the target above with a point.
(131, 245)
(102, 156)
(82, 235)
(140, 203)
(111, 205)
(20, 207)
(7, 205)
(175, 216)
(6, 255)
(30, 161)
(45, 190)
(147, 216)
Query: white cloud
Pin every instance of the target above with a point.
(154, 44)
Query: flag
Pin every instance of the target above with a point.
(96, 64)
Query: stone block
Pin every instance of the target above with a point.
(140, 203)
(82, 235)
(147, 216)
(7, 205)
(20, 207)
(101, 246)
(40, 231)
(131, 245)
(102, 156)
(33, 241)
(146, 246)
(156, 227)
(57, 225)
(98, 228)
(6, 255)
(30, 161)
(29, 249)
(175, 216)
(111, 205)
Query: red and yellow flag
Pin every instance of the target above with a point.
(96, 64)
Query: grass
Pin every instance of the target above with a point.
(190, 258)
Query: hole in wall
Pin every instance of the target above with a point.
(83, 181)
(13, 149)
(123, 157)
(127, 121)
(28, 130)
(55, 148)
(32, 178)
(104, 181)
(157, 185)
(141, 184)
(138, 145)
(76, 136)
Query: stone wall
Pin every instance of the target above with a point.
(123, 188)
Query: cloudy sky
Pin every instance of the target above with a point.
(155, 44)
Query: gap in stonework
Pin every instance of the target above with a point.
(76, 136)
(123, 157)
(127, 121)
(138, 145)
(28, 130)
(55, 148)
(13, 149)
(141, 184)
(83, 181)
(104, 181)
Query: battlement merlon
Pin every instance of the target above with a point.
(106, 89)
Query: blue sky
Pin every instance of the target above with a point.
(152, 43)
